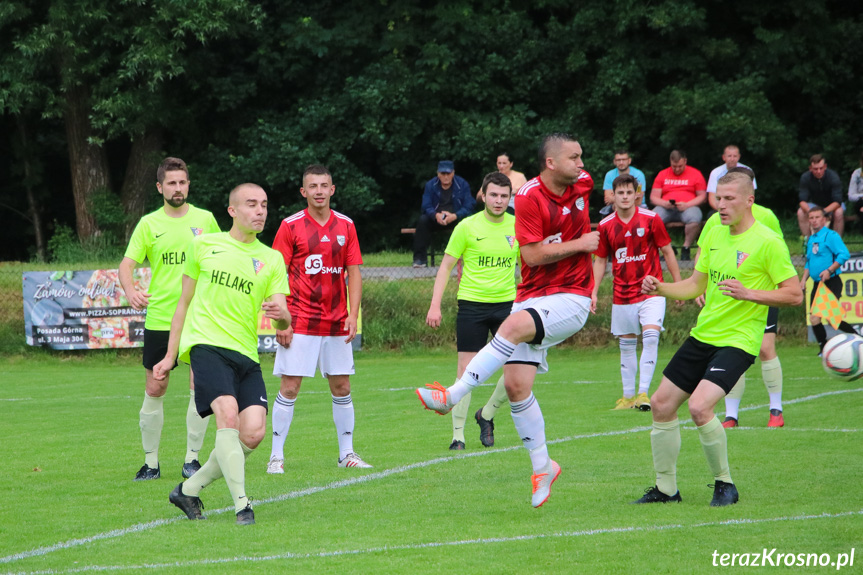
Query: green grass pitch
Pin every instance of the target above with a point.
(71, 445)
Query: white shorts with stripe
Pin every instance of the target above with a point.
(328, 353)
(629, 318)
(562, 315)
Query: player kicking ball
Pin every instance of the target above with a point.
(633, 237)
(744, 268)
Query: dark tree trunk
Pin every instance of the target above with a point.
(32, 205)
(89, 163)
(140, 180)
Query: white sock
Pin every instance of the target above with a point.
(649, 353)
(343, 417)
(732, 400)
(283, 415)
(489, 359)
(527, 417)
(628, 364)
(771, 371)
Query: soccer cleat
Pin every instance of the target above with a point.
(624, 403)
(456, 445)
(776, 419)
(246, 516)
(542, 483)
(729, 422)
(654, 495)
(642, 402)
(723, 494)
(353, 460)
(191, 506)
(146, 473)
(190, 468)
(275, 466)
(435, 398)
(486, 429)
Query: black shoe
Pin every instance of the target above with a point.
(246, 516)
(654, 495)
(723, 494)
(146, 473)
(456, 445)
(486, 429)
(419, 264)
(191, 506)
(190, 468)
(684, 254)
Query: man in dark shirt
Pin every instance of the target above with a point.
(446, 200)
(820, 186)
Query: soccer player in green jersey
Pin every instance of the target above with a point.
(744, 267)
(227, 278)
(487, 243)
(161, 238)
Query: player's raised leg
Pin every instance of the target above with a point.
(196, 429)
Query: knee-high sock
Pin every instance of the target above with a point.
(771, 371)
(232, 462)
(208, 473)
(649, 354)
(283, 415)
(459, 417)
(628, 364)
(489, 359)
(150, 419)
(498, 398)
(732, 400)
(846, 327)
(820, 334)
(343, 417)
(715, 444)
(530, 425)
(196, 429)
(665, 444)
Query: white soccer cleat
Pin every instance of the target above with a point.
(353, 460)
(276, 465)
(435, 397)
(542, 483)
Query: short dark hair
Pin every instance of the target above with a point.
(621, 152)
(170, 165)
(624, 179)
(816, 159)
(317, 170)
(546, 144)
(497, 179)
(677, 155)
(817, 208)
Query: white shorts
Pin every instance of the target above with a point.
(562, 315)
(629, 318)
(328, 353)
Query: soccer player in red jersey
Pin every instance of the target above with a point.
(552, 301)
(633, 238)
(320, 247)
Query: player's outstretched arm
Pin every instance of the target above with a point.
(690, 288)
(355, 296)
(137, 299)
(434, 316)
(787, 294)
(161, 369)
(553, 250)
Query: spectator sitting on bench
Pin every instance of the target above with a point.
(446, 200)
(677, 193)
(855, 195)
(820, 186)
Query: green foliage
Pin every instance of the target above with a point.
(64, 247)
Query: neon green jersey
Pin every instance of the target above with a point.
(162, 240)
(760, 213)
(490, 252)
(233, 280)
(760, 260)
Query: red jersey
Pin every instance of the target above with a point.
(317, 258)
(542, 216)
(680, 188)
(634, 248)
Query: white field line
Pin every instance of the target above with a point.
(441, 544)
(40, 551)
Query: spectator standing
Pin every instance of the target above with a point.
(446, 200)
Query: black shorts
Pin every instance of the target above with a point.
(696, 360)
(834, 284)
(772, 319)
(476, 320)
(219, 371)
(155, 347)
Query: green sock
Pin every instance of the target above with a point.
(715, 445)
(459, 416)
(496, 401)
(771, 371)
(665, 443)
(151, 417)
(233, 465)
(738, 389)
(196, 428)
(209, 472)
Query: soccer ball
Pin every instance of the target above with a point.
(842, 357)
